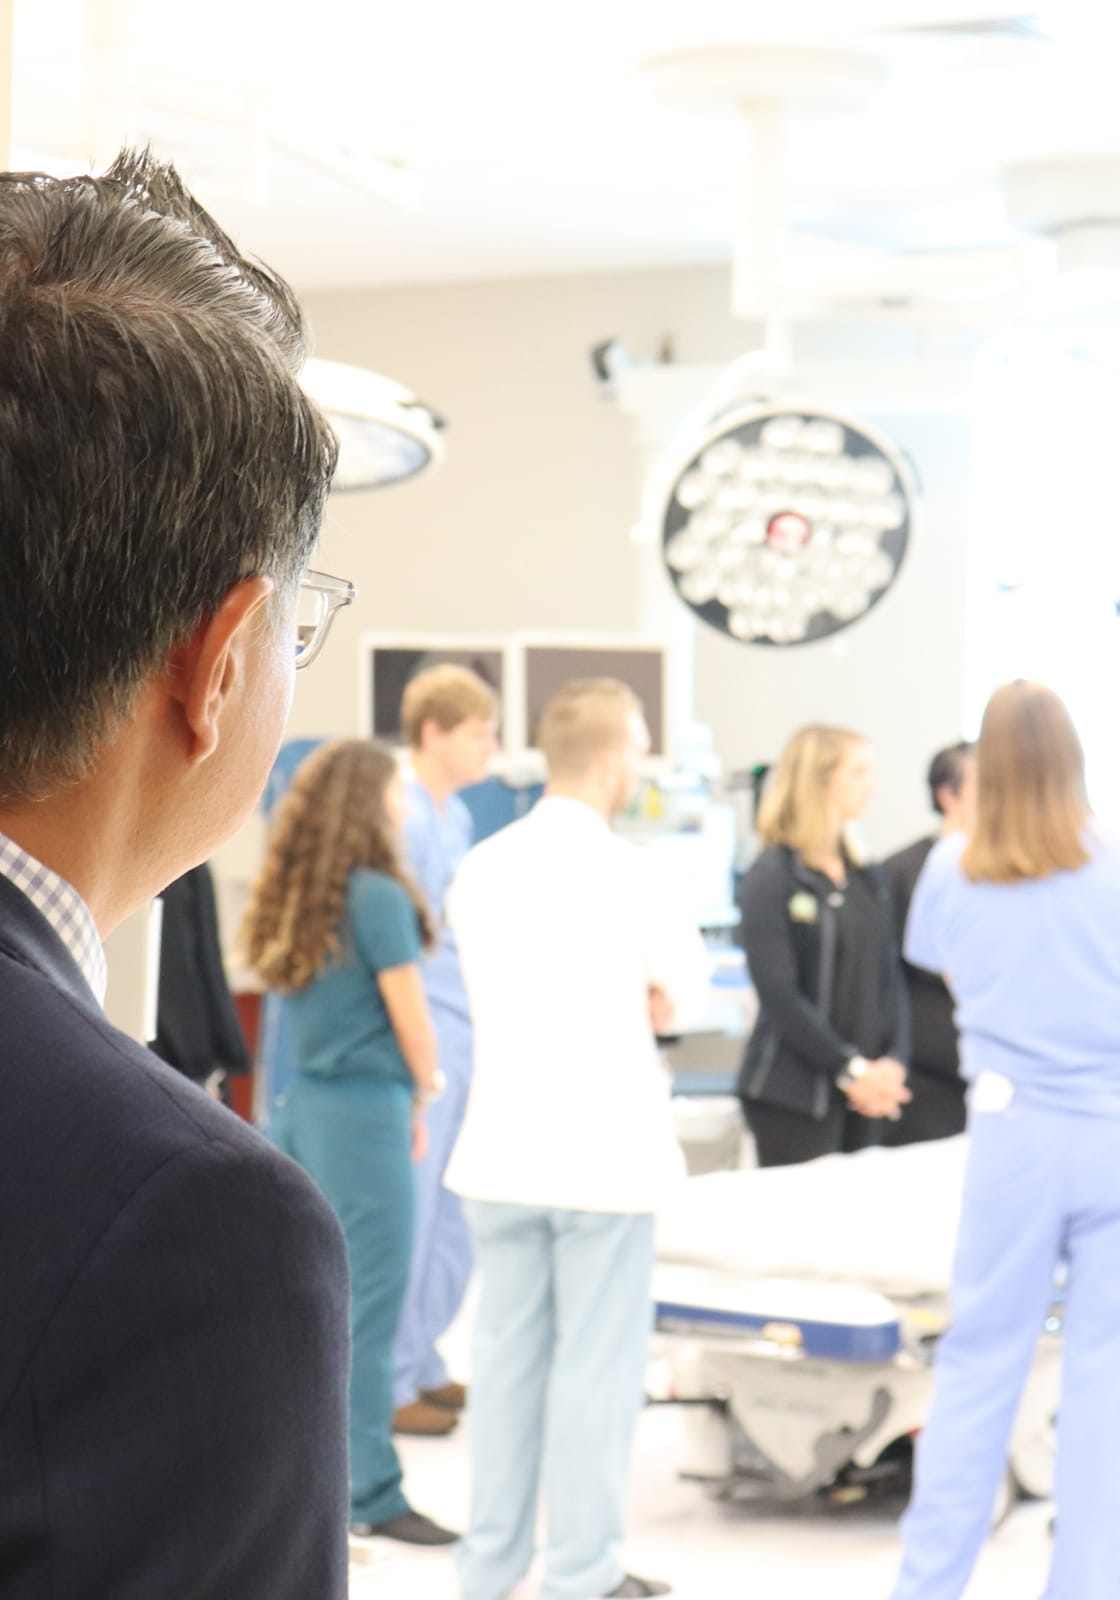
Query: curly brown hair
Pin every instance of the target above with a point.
(332, 820)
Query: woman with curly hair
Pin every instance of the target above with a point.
(337, 924)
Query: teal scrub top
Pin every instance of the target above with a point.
(340, 1026)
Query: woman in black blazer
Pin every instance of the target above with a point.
(825, 1058)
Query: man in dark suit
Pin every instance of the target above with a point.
(173, 1297)
(937, 1109)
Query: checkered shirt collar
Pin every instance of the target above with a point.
(63, 908)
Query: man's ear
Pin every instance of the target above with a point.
(205, 672)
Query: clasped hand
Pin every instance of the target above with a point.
(881, 1091)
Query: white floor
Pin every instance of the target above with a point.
(710, 1551)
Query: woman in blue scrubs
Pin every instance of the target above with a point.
(1023, 919)
(338, 925)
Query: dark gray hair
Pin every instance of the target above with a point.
(155, 449)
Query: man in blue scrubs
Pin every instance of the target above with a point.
(448, 718)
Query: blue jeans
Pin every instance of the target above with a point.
(1041, 1186)
(559, 1365)
(354, 1137)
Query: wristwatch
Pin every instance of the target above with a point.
(856, 1068)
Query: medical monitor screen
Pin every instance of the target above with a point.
(642, 669)
(393, 667)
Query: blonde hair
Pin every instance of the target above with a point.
(582, 721)
(1031, 805)
(332, 820)
(794, 809)
(447, 696)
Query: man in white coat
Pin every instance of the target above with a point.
(572, 957)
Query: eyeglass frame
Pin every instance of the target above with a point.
(339, 593)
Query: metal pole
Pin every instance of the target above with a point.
(759, 284)
(7, 8)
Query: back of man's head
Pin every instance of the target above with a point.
(583, 721)
(155, 449)
(447, 696)
(946, 772)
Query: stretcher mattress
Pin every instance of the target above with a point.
(827, 1321)
(885, 1220)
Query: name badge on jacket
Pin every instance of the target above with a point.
(803, 907)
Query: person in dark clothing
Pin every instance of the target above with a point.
(197, 1028)
(174, 1294)
(937, 1110)
(825, 1060)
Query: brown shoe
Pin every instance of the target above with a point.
(422, 1418)
(452, 1397)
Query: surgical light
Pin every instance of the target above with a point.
(781, 525)
(384, 433)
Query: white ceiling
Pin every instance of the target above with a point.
(530, 134)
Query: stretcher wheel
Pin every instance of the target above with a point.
(1034, 1442)
(1006, 1496)
(1032, 1462)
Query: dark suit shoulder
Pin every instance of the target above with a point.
(87, 1118)
(905, 865)
(173, 1349)
(59, 1049)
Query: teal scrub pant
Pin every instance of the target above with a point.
(557, 1381)
(354, 1137)
(1042, 1187)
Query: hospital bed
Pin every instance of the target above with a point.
(799, 1311)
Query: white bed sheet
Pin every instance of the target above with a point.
(885, 1219)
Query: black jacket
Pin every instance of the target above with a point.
(197, 1030)
(794, 1054)
(173, 1321)
(933, 1031)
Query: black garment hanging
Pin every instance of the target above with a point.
(198, 1030)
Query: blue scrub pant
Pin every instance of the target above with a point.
(354, 1138)
(441, 1251)
(1041, 1186)
(559, 1365)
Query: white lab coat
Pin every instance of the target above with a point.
(562, 928)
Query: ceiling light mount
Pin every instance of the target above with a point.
(1074, 201)
(763, 87)
(732, 77)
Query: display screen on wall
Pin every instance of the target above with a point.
(392, 668)
(642, 669)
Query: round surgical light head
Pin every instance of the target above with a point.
(384, 433)
(782, 525)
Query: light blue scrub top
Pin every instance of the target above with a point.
(340, 1026)
(1035, 971)
(436, 841)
